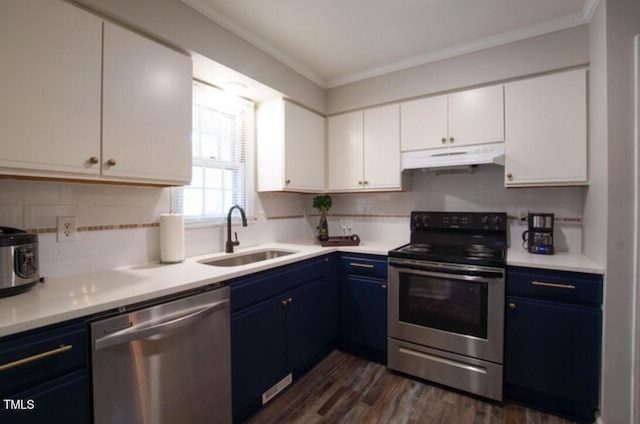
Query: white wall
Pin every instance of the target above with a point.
(545, 53)
(621, 22)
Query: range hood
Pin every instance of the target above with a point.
(454, 157)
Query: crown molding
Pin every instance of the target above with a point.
(465, 48)
(210, 12)
(509, 37)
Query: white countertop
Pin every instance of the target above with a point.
(65, 298)
(560, 261)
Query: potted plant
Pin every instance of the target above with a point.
(322, 204)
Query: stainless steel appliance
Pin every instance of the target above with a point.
(446, 301)
(169, 363)
(18, 261)
(539, 236)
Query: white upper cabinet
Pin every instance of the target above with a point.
(146, 127)
(458, 119)
(70, 112)
(345, 158)
(546, 130)
(382, 148)
(50, 85)
(290, 148)
(364, 150)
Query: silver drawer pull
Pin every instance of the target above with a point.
(554, 285)
(61, 349)
(360, 265)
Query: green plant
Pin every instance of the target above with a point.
(322, 203)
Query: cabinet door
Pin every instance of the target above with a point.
(546, 130)
(345, 159)
(304, 154)
(476, 116)
(552, 348)
(258, 354)
(50, 85)
(363, 314)
(424, 123)
(147, 92)
(311, 324)
(382, 148)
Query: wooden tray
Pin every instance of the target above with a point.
(352, 240)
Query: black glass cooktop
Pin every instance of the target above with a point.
(456, 237)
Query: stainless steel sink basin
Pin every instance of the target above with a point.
(246, 258)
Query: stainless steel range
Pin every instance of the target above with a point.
(446, 301)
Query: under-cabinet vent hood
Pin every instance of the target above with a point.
(454, 157)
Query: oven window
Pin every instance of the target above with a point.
(452, 305)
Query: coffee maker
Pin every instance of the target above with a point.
(539, 236)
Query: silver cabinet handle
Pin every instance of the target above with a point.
(512, 306)
(360, 265)
(52, 352)
(111, 162)
(554, 285)
(509, 175)
(451, 139)
(443, 139)
(132, 333)
(93, 160)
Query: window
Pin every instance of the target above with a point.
(222, 148)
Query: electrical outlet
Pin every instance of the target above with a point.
(67, 228)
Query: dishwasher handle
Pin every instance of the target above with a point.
(131, 333)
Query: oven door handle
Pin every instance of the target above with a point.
(488, 277)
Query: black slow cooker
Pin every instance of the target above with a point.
(18, 261)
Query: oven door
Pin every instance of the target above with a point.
(452, 307)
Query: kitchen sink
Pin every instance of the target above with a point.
(246, 258)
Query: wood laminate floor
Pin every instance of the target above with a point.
(347, 389)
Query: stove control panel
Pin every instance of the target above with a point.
(479, 221)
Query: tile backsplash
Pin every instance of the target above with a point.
(119, 224)
(386, 214)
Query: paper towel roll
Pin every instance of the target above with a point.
(171, 238)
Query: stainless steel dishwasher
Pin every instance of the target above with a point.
(165, 364)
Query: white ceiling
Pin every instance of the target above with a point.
(335, 42)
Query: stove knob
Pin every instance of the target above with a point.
(496, 220)
(484, 220)
(417, 221)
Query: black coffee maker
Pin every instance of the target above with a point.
(539, 236)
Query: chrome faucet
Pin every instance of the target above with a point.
(230, 244)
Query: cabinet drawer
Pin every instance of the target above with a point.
(40, 356)
(248, 291)
(63, 400)
(560, 285)
(370, 265)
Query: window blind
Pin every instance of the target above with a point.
(222, 143)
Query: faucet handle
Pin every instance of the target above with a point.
(236, 242)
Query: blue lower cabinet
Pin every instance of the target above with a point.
(45, 376)
(258, 354)
(282, 335)
(363, 306)
(64, 400)
(553, 344)
(312, 324)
